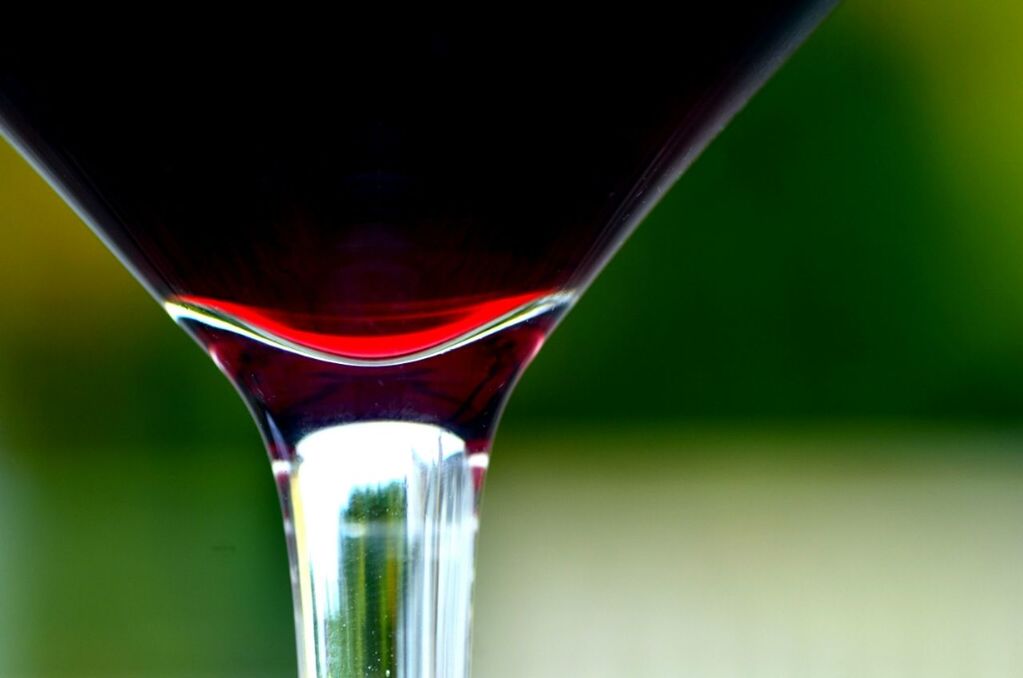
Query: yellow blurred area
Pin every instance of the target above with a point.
(965, 60)
(51, 265)
(967, 57)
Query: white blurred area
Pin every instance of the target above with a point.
(760, 554)
(754, 557)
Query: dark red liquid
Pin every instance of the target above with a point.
(364, 210)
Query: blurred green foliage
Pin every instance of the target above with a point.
(826, 258)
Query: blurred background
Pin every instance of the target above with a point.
(780, 436)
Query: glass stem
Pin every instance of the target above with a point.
(381, 526)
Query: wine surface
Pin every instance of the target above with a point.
(388, 228)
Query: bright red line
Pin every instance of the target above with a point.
(451, 323)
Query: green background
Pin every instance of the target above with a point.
(778, 436)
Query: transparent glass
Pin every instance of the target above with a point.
(374, 254)
(381, 525)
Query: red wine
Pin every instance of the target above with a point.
(391, 234)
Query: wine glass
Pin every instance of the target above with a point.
(372, 251)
